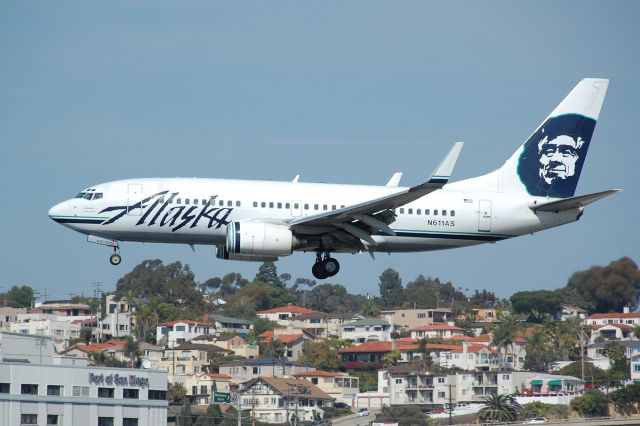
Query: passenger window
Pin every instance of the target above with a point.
(255, 204)
(306, 206)
(178, 200)
(271, 205)
(324, 207)
(401, 211)
(453, 212)
(287, 205)
(435, 212)
(315, 207)
(263, 204)
(204, 202)
(229, 203)
(444, 212)
(186, 201)
(426, 212)
(221, 203)
(237, 203)
(279, 205)
(333, 207)
(342, 206)
(418, 211)
(161, 200)
(410, 211)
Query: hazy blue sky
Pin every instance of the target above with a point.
(345, 92)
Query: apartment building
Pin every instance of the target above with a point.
(175, 333)
(367, 330)
(339, 386)
(406, 319)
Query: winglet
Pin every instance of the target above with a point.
(395, 179)
(442, 173)
(296, 179)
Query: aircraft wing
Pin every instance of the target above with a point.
(572, 203)
(364, 219)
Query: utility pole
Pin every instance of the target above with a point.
(582, 351)
(450, 405)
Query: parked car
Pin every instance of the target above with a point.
(536, 420)
(363, 412)
(341, 405)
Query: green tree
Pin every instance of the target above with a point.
(186, 416)
(268, 274)
(503, 337)
(404, 415)
(333, 298)
(609, 288)
(540, 356)
(498, 408)
(17, 297)
(619, 369)
(272, 349)
(626, 397)
(592, 374)
(132, 351)
(536, 303)
(322, 354)
(592, 403)
(391, 358)
(176, 393)
(370, 308)
(391, 291)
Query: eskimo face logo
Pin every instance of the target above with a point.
(558, 157)
(552, 159)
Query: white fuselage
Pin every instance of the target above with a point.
(197, 211)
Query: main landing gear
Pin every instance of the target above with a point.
(325, 267)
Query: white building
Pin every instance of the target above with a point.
(37, 386)
(9, 316)
(60, 331)
(366, 330)
(231, 325)
(175, 333)
(635, 367)
(118, 317)
(282, 314)
(436, 331)
(626, 317)
(276, 400)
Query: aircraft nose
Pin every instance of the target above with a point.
(57, 211)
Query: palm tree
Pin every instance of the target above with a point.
(132, 351)
(498, 408)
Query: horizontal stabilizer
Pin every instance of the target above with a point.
(573, 202)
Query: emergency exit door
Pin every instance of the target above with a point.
(484, 216)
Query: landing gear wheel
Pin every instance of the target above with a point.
(115, 259)
(331, 266)
(318, 271)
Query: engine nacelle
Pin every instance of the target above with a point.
(259, 241)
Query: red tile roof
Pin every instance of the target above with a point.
(387, 347)
(96, 347)
(435, 327)
(615, 315)
(218, 376)
(289, 309)
(472, 349)
(188, 322)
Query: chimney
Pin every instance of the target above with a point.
(465, 347)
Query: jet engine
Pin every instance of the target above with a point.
(256, 241)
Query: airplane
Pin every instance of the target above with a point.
(261, 221)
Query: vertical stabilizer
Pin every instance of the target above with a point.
(549, 163)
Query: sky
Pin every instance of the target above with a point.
(340, 92)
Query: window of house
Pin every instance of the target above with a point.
(54, 390)
(180, 327)
(28, 389)
(129, 421)
(256, 370)
(130, 393)
(421, 315)
(80, 391)
(105, 421)
(28, 419)
(289, 354)
(106, 392)
(52, 419)
(441, 395)
(5, 387)
(398, 381)
(440, 380)
(505, 377)
(203, 389)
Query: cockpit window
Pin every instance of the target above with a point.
(90, 195)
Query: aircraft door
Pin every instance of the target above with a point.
(296, 208)
(484, 216)
(134, 196)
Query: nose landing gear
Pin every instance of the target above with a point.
(325, 267)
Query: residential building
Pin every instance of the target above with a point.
(9, 316)
(339, 386)
(118, 318)
(60, 331)
(635, 367)
(234, 343)
(85, 351)
(282, 314)
(569, 311)
(65, 309)
(626, 317)
(532, 383)
(406, 319)
(188, 359)
(374, 352)
(612, 332)
(316, 323)
(367, 330)
(293, 342)
(31, 349)
(278, 400)
(596, 352)
(488, 315)
(248, 369)
(231, 325)
(436, 331)
(175, 333)
(470, 357)
(202, 388)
